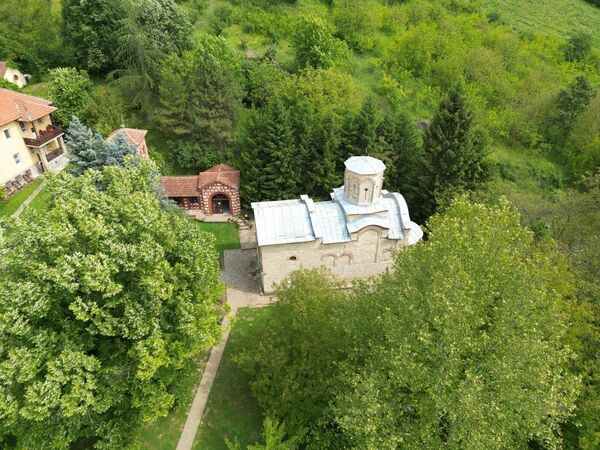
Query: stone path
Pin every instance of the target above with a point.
(242, 291)
(18, 212)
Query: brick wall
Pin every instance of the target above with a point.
(218, 188)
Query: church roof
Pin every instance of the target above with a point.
(303, 220)
(364, 165)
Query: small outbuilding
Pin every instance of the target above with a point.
(13, 75)
(135, 137)
(215, 191)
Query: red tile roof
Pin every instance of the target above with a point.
(186, 186)
(133, 136)
(191, 186)
(221, 173)
(22, 107)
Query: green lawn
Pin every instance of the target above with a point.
(40, 202)
(10, 205)
(231, 410)
(551, 17)
(164, 433)
(227, 234)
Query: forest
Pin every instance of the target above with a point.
(486, 114)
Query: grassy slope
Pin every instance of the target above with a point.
(10, 205)
(231, 410)
(552, 17)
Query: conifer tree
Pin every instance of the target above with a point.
(268, 155)
(399, 148)
(454, 153)
(360, 134)
(89, 150)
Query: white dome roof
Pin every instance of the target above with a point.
(364, 165)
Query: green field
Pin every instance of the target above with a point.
(10, 205)
(552, 17)
(227, 234)
(232, 412)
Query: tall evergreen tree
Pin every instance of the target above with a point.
(89, 150)
(268, 155)
(399, 148)
(360, 133)
(454, 153)
(200, 97)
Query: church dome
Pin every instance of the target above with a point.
(363, 180)
(364, 165)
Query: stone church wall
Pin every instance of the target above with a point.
(369, 254)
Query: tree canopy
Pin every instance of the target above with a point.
(462, 345)
(104, 300)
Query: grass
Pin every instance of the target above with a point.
(227, 234)
(164, 433)
(232, 411)
(40, 202)
(550, 17)
(10, 205)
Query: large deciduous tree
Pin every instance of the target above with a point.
(104, 299)
(454, 153)
(70, 90)
(90, 32)
(315, 44)
(461, 346)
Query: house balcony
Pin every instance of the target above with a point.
(44, 136)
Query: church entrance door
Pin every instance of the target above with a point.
(220, 204)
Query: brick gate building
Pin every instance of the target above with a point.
(215, 191)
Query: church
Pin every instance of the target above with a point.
(354, 235)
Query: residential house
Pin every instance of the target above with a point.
(30, 143)
(136, 138)
(12, 75)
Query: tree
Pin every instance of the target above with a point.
(70, 89)
(571, 102)
(462, 345)
(150, 31)
(105, 299)
(90, 30)
(200, 95)
(192, 155)
(360, 134)
(315, 44)
(578, 47)
(454, 154)
(398, 146)
(268, 155)
(89, 150)
(30, 35)
(273, 436)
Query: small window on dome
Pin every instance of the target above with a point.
(292, 258)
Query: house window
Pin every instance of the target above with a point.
(17, 158)
(7, 133)
(32, 151)
(40, 121)
(23, 127)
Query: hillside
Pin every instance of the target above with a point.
(552, 17)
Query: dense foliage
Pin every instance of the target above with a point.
(463, 345)
(71, 91)
(89, 150)
(104, 299)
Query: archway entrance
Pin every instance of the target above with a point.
(220, 204)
